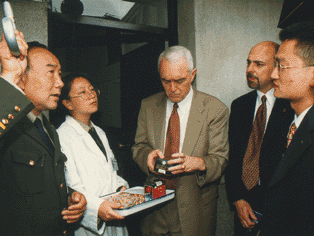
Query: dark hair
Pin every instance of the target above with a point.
(34, 44)
(68, 81)
(303, 33)
(57, 116)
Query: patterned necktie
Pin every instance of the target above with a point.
(250, 171)
(172, 143)
(292, 131)
(44, 135)
(96, 138)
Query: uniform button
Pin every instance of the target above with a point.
(283, 155)
(17, 109)
(31, 162)
(2, 126)
(61, 185)
(65, 232)
(11, 117)
(5, 121)
(302, 141)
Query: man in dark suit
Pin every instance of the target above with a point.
(244, 109)
(201, 152)
(289, 201)
(35, 200)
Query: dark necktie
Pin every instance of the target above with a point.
(96, 138)
(172, 143)
(44, 135)
(250, 172)
(292, 131)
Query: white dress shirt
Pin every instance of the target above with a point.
(298, 119)
(270, 101)
(184, 108)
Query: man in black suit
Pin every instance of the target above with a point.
(35, 200)
(243, 112)
(289, 201)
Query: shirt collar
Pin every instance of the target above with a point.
(32, 116)
(270, 98)
(298, 119)
(185, 102)
(84, 126)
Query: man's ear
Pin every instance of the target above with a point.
(67, 104)
(312, 80)
(193, 74)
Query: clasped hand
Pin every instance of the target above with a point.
(77, 206)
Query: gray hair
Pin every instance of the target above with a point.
(176, 53)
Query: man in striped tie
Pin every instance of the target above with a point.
(258, 126)
(189, 128)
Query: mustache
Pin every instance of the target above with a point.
(250, 75)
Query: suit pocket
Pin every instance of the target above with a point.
(209, 196)
(28, 171)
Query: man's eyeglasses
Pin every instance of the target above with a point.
(85, 94)
(281, 67)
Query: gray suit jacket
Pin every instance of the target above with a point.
(206, 137)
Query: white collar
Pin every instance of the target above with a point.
(185, 102)
(298, 119)
(270, 98)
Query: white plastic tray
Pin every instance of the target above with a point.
(142, 206)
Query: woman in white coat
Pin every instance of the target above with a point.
(91, 167)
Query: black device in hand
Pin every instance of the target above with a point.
(162, 166)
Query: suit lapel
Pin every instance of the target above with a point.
(248, 114)
(159, 122)
(195, 123)
(31, 130)
(54, 136)
(300, 142)
(277, 114)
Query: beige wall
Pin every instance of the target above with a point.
(221, 37)
(31, 19)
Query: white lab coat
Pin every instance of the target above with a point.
(88, 172)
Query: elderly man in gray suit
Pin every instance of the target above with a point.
(189, 128)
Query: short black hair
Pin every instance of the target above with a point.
(68, 81)
(303, 33)
(34, 44)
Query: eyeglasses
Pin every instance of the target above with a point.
(85, 94)
(281, 67)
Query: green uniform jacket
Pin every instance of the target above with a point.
(33, 191)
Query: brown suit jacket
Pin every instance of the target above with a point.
(206, 137)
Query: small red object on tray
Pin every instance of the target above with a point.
(154, 190)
